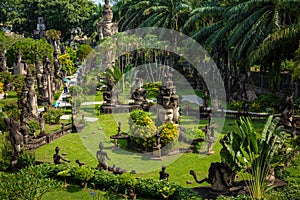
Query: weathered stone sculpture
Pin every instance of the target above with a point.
(220, 176)
(48, 87)
(42, 123)
(3, 67)
(105, 27)
(57, 71)
(163, 175)
(40, 31)
(101, 157)
(139, 94)
(28, 101)
(57, 157)
(15, 137)
(39, 75)
(20, 65)
(168, 101)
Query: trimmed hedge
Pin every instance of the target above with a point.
(103, 180)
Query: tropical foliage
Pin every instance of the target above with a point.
(255, 152)
(31, 50)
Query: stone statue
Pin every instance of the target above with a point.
(105, 26)
(220, 175)
(139, 94)
(163, 175)
(102, 156)
(168, 101)
(20, 65)
(31, 96)
(80, 163)
(3, 67)
(119, 128)
(42, 123)
(48, 87)
(39, 75)
(57, 157)
(57, 70)
(15, 137)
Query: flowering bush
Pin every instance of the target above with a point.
(142, 130)
(169, 133)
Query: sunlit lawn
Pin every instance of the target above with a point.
(83, 146)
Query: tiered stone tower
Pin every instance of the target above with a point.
(168, 101)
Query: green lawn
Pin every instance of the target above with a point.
(83, 146)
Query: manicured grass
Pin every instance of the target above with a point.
(75, 192)
(83, 146)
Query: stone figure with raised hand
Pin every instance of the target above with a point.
(57, 157)
(102, 156)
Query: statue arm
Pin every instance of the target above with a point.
(64, 159)
(107, 156)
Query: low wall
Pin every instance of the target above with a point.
(36, 143)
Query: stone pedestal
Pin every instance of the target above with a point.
(156, 153)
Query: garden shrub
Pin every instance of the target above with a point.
(67, 64)
(268, 101)
(28, 183)
(169, 134)
(142, 130)
(5, 151)
(26, 159)
(10, 108)
(152, 89)
(84, 174)
(33, 126)
(103, 180)
(193, 134)
(53, 115)
(29, 48)
(83, 51)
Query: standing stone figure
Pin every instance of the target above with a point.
(3, 67)
(15, 137)
(39, 75)
(48, 82)
(57, 70)
(102, 156)
(28, 102)
(31, 97)
(20, 66)
(42, 123)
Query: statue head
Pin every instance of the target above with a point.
(57, 149)
(101, 145)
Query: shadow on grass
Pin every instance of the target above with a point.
(73, 188)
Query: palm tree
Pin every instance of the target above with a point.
(249, 27)
(162, 13)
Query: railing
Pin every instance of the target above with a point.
(36, 143)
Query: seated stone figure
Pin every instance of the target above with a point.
(57, 157)
(102, 156)
(163, 175)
